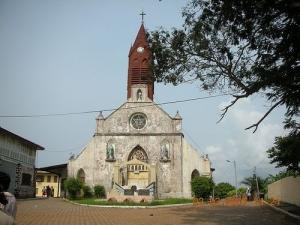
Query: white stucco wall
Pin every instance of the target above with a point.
(286, 190)
(192, 160)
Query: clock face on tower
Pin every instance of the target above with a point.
(140, 49)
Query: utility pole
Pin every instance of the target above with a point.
(257, 189)
(236, 195)
(235, 176)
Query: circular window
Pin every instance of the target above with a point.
(138, 120)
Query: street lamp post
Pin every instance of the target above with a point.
(234, 164)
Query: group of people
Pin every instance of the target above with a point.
(48, 192)
(8, 207)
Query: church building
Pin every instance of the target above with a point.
(140, 147)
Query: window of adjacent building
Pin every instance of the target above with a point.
(26, 179)
(48, 178)
(39, 178)
(55, 179)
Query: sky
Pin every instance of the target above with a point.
(72, 56)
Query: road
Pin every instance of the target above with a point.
(59, 212)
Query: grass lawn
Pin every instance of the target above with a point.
(169, 201)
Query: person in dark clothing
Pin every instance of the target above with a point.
(48, 190)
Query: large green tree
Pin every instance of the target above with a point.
(286, 152)
(251, 183)
(239, 47)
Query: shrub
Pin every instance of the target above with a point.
(87, 191)
(202, 187)
(99, 191)
(222, 189)
(73, 186)
(241, 191)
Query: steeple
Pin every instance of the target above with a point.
(139, 73)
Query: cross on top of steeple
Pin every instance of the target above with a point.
(142, 14)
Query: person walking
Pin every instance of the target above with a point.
(44, 194)
(48, 190)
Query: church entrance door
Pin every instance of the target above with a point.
(138, 170)
(138, 173)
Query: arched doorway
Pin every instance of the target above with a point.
(194, 174)
(81, 175)
(138, 170)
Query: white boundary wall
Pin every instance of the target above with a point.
(286, 190)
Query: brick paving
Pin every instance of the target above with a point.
(59, 212)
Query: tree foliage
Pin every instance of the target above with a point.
(286, 152)
(241, 191)
(222, 189)
(239, 47)
(202, 187)
(251, 182)
(73, 186)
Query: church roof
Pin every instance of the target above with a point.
(140, 40)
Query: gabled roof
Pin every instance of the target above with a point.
(21, 139)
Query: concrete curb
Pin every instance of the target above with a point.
(29, 199)
(130, 207)
(282, 211)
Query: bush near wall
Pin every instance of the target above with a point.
(99, 191)
(202, 187)
(87, 191)
(73, 187)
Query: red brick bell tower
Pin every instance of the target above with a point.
(139, 72)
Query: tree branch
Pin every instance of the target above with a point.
(266, 114)
(237, 97)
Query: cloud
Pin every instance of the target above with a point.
(246, 148)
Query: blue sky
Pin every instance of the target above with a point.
(72, 56)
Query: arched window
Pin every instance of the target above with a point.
(81, 175)
(139, 95)
(195, 173)
(138, 153)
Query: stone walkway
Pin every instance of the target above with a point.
(59, 212)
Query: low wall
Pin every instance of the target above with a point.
(286, 190)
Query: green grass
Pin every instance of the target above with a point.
(169, 201)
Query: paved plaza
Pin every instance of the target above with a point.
(59, 212)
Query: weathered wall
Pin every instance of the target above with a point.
(192, 161)
(286, 190)
(116, 129)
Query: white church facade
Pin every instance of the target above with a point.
(139, 146)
